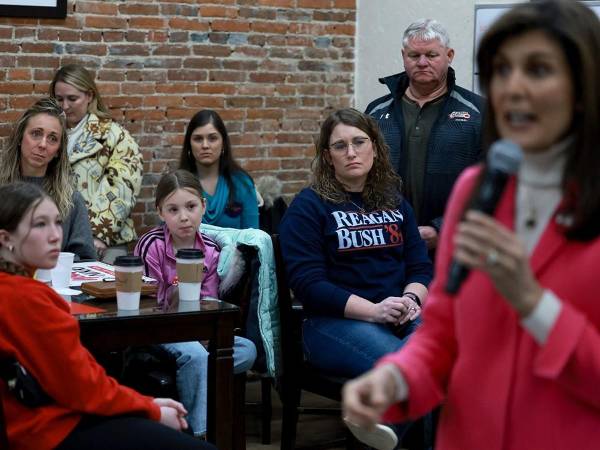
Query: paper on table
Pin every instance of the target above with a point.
(84, 272)
(80, 308)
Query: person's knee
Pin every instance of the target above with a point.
(244, 355)
(196, 357)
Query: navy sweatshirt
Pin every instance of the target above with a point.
(334, 250)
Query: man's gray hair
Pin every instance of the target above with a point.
(426, 30)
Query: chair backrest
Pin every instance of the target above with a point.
(290, 317)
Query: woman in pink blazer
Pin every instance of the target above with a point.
(514, 356)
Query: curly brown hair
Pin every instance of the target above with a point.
(383, 185)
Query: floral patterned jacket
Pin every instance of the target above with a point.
(107, 167)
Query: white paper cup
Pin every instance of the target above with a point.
(61, 274)
(187, 306)
(190, 264)
(128, 277)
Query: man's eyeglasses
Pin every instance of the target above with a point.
(358, 144)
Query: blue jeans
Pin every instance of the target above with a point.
(349, 347)
(192, 374)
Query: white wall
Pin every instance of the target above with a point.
(381, 24)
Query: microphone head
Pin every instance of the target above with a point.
(504, 156)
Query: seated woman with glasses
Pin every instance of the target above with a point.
(352, 251)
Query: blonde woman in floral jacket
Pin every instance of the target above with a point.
(106, 162)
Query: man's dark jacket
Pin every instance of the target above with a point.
(454, 142)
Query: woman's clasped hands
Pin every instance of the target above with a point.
(396, 310)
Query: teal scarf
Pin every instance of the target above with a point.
(217, 203)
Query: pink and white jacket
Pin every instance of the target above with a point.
(156, 250)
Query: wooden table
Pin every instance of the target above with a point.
(212, 320)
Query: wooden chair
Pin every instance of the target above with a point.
(298, 375)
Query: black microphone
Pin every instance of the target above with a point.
(503, 160)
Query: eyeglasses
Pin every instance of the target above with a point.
(358, 144)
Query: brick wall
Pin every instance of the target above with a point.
(272, 68)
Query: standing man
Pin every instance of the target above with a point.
(431, 125)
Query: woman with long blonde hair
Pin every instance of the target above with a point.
(106, 162)
(37, 153)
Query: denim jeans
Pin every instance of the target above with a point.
(192, 375)
(349, 347)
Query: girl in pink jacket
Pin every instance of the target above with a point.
(180, 204)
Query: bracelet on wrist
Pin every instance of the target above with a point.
(414, 297)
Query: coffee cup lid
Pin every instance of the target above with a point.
(189, 253)
(128, 261)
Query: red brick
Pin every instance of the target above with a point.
(113, 36)
(174, 88)
(264, 113)
(43, 74)
(204, 101)
(347, 29)
(215, 88)
(11, 116)
(163, 100)
(137, 88)
(24, 33)
(229, 25)
(72, 21)
(6, 47)
(171, 50)
(261, 164)
(256, 89)
(211, 50)
(105, 22)
(242, 102)
(158, 36)
(226, 75)
(86, 36)
(139, 9)
(269, 27)
(344, 4)
(284, 3)
(19, 74)
(6, 33)
(187, 24)
(314, 4)
(104, 8)
(147, 22)
(38, 61)
(48, 34)
(180, 113)
(217, 11)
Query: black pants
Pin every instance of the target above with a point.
(128, 433)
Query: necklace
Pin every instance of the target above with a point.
(530, 217)
(360, 208)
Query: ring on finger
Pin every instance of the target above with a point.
(492, 257)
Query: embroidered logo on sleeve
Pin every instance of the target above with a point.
(460, 116)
